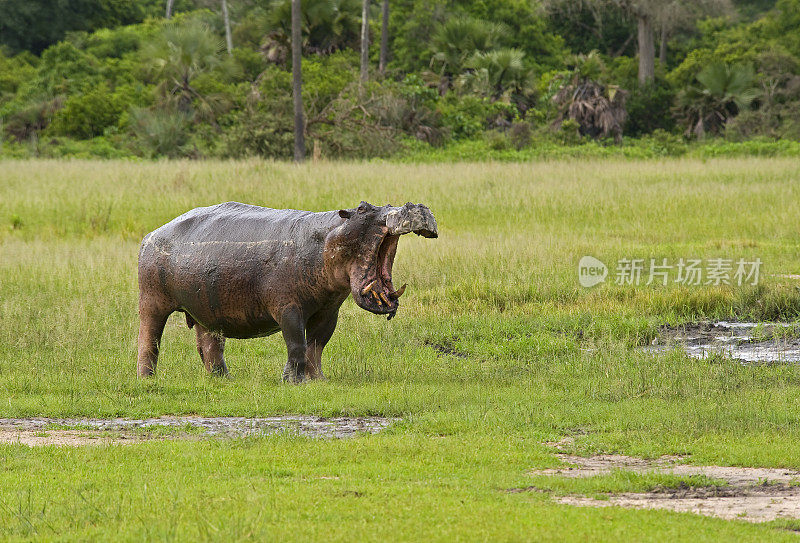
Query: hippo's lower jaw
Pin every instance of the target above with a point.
(374, 291)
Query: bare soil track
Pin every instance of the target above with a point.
(751, 494)
(84, 431)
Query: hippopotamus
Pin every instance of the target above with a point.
(243, 271)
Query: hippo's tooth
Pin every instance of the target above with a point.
(375, 295)
(399, 292)
(368, 288)
(385, 299)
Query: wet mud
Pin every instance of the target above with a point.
(747, 342)
(86, 431)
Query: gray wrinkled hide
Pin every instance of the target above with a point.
(415, 218)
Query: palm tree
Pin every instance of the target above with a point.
(177, 57)
(297, 84)
(327, 25)
(459, 38)
(599, 109)
(504, 69)
(724, 91)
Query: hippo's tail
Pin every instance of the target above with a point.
(189, 320)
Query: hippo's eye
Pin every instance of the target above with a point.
(362, 208)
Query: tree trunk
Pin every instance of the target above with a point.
(662, 50)
(169, 9)
(647, 50)
(297, 84)
(227, 21)
(364, 40)
(384, 38)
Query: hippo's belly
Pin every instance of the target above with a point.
(225, 296)
(239, 329)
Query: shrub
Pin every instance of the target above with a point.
(13, 72)
(780, 121)
(467, 116)
(649, 109)
(29, 120)
(266, 132)
(87, 115)
(250, 63)
(65, 69)
(569, 132)
(497, 140)
(520, 135)
(113, 43)
(663, 143)
(160, 132)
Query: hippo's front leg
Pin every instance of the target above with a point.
(294, 334)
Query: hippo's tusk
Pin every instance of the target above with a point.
(375, 295)
(368, 288)
(385, 299)
(399, 292)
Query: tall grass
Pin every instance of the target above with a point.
(495, 349)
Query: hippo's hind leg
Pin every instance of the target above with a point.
(319, 331)
(294, 334)
(211, 347)
(151, 326)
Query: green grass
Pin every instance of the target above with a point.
(496, 349)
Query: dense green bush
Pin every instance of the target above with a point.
(649, 109)
(84, 116)
(14, 71)
(467, 116)
(264, 130)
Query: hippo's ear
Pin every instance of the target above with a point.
(345, 214)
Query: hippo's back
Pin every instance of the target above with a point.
(237, 222)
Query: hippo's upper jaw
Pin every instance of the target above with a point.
(369, 236)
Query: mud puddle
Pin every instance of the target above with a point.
(751, 494)
(746, 342)
(85, 431)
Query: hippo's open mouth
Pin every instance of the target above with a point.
(377, 291)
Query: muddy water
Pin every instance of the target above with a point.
(744, 341)
(81, 431)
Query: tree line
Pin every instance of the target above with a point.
(355, 78)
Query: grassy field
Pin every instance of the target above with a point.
(496, 350)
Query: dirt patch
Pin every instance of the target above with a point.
(752, 494)
(752, 507)
(64, 438)
(83, 431)
(747, 342)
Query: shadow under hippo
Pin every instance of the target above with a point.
(243, 271)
